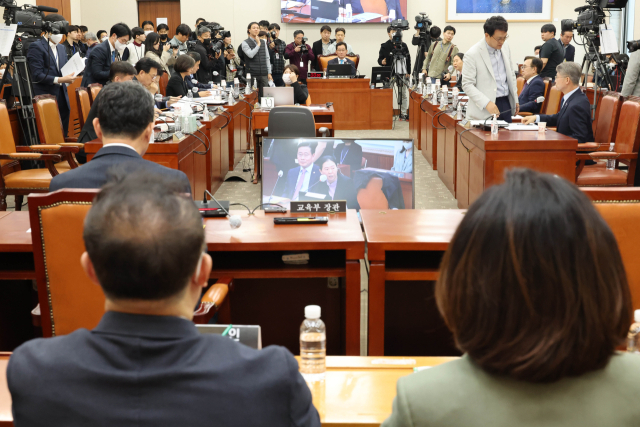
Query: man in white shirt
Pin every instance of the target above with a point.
(302, 178)
(340, 34)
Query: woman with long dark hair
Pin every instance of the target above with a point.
(152, 50)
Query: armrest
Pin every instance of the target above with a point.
(72, 144)
(593, 146)
(212, 300)
(525, 114)
(71, 139)
(604, 155)
(30, 156)
(38, 147)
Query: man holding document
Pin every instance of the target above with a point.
(47, 60)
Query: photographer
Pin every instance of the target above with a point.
(277, 47)
(299, 53)
(257, 59)
(421, 38)
(440, 56)
(231, 60)
(631, 86)
(179, 44)
(194, 36)
(385, 59)
(208, 59)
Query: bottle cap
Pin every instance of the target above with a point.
(636, 315)
(312, 312)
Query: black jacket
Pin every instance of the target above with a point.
(98, 65)
(93, 174)
(344, 191)
(317, 50)
(300, 93)
(390, 186)
(573, 119)
(177, 86)
(73, 49)
(351, 155)
(205, 72)
(386, 51)
(136, 370)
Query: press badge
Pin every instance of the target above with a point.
(277, 56)
(301, 64)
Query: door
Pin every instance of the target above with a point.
(63, 6)
(149, 10)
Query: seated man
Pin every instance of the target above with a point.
(340, 33)
(533, 85)
(341, 51)
(337, 186)
(124, 123)
(145, 363)
(574, 117)
(302, 178)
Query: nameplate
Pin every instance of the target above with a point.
(443, 107)
(199, 123)
(249, 335)
(316, 195)
(333, 206)
(178, 136)
(466, 124)
(267, 102)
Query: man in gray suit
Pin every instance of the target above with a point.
(631, 86)
(488, 77)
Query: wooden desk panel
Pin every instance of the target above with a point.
(429, 136)
(482, 159)
(415, 118)
(238, 128)
(448, 151)
(381, 109)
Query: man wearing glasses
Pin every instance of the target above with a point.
(489, 79)
(102, 56)
(533, 85)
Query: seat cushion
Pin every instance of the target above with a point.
(598, 175)
(36, 179)
(63, 165)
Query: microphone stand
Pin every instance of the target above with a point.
(274, 187)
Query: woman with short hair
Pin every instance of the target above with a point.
(291, 76)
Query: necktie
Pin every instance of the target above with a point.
(525, 84)
(299, 185)
(562, 103)
(113, 56)
(341, 62)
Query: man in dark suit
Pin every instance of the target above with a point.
(349, 153)
(302, 178)
(533, 85)
(574, 117)
(46, 57)
(569, 50)
(145, 363)
(101, 56)
(337, 186)
(341, 51)
(124, 123)
(321, 47)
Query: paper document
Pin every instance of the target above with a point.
(608, 41)
(162, 21)
(488, 122)
(74, 66)
(316, 108)
(7, 34)
(522, 127)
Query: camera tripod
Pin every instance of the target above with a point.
(398, 72)
(423, 46)
(592, 58)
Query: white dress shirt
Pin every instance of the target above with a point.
(54, 49)
(499, 71)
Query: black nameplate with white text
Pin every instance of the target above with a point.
(321, 206)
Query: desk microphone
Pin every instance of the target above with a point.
(280, 173)
(323, 178)
(234, 220)
(538, 100)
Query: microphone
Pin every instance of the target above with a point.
(538, 100)
(280, 173)
(323, 178)
(234, 220)
(45, 8)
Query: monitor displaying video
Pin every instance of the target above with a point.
(336, 11)
(366, 173)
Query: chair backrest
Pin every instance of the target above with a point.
(164, 81)
(547, 87)
(68, 299)
(94, 90)
(628, 135)
(84, 104)
(48, 120)
(323, 61)
(520, 83)
(612, 194)
(372, 197)
(308, 101)
(609, 112)
(7, 143)
(554, 98)
(291, 122)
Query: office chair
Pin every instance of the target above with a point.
(291, 122)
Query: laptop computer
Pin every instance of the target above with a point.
(281, 95)
(325, 9)
(338, 70)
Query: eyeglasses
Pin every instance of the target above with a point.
(501, 39)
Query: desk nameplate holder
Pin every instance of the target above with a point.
(178, 136)
(249, 335)
(320, 206)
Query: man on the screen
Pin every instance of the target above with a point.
(394, 5)
(337, 186)
(301, 178)
(403, 159)
(349, 153)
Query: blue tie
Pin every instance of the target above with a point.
(562, 103)
(113, 56)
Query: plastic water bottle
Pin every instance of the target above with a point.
(255, 84)
(190, 95)
(236, 86)
(211, 85)
(313, 345)
(494, 125)
(634, 334)
(459, 111)
(348, 13)
(611, 163)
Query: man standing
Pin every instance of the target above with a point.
(630, 85)
(92, 41)
(294, 53)
(257, 58)
(179, 44)
(552, 53)
(321, 47)
(99, 62)
(46, 58)
(84, 46)
(488, 78)
(277, 47)
(341, 51)
(207, 64)
(340, 34)
(574, 117)
(71, 44)
(134, 51)
(440, 57)
(533, 85)
(304, 176)
(569, 50)
(400, 68)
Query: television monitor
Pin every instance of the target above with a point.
(328, 11)
(367, 173)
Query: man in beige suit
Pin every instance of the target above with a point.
(488, 79)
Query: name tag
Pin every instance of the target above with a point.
(301, 64)
(277, 56)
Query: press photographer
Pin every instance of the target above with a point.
(299, 53)
(394, 53)
(277, 47)
(232, 63)
(208, 56)
(631, 86)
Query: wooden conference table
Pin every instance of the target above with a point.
(356, 105)
(357, 391)
(253, 251)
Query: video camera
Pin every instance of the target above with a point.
(215, 46)
(633, 45)
(423, 23)
(589, 19)
(398, 25)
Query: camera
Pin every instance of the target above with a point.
(423, 23)
(633, 45)
(273, 34)
(215, 46)
(303, 47)
(230, 47)
(174, 44)
(191, 45)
